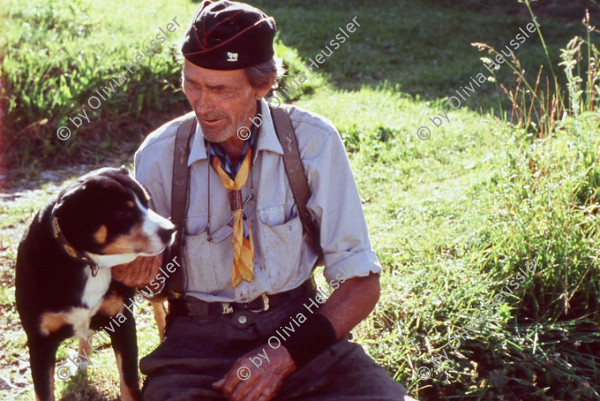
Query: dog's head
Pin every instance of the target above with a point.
(106, 212)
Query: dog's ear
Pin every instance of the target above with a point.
(67, 197)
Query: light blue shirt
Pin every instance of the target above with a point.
(283, 258)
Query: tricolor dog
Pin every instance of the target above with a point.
(64, 286)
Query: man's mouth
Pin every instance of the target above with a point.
(211, 122)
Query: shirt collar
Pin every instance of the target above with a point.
(267, 138)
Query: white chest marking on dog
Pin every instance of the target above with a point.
(95, 287)
(80, 319)
(94, 290)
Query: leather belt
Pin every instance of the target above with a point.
(192, 306)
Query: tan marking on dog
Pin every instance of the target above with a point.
(53, 321)
(129, 243)
(130, 204)
(122, 244)
(101, 234)
(84, 346)
(78, 317)
(112, 305)
(160, 316)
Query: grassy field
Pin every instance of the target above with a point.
(453, 218)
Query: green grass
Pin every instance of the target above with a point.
(452, 218)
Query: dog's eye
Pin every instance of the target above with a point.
(124, 213)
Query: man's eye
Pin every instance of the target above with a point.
(223, 91)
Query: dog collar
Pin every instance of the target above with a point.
(68, 248)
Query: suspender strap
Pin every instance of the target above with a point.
(180, 196)
(296, 175)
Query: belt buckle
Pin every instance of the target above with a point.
(265, 308)
(227, 308)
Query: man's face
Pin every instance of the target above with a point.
(223, 100)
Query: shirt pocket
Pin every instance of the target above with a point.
(282, 243)
(195, 224)
(209, 261)
(199, 264)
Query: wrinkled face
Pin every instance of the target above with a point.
(108, 214)
(222, 100)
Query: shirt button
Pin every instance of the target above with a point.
(242, 319)
(290, 227)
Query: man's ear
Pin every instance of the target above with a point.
(262, 92)
(182, 80)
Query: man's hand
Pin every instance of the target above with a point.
(261, 383)
(138, 273)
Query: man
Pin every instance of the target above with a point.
(249, 325)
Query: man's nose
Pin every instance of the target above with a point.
(204, 102)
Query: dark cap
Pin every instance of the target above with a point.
(227, 35)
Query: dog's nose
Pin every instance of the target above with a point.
(165, 234)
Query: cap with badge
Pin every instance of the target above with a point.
(226, 35)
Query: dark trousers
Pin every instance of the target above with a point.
(198, 351)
